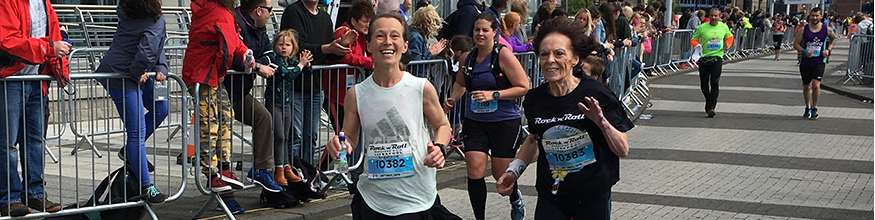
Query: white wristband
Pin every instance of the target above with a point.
(517, 167)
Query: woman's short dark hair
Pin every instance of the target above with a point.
(462, 43)
(581, 44)
(559, 12)
(490, 17)
(360, 9)
(393, 15)
(139, 9)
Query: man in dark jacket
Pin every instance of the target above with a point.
(251, 18)
(315, 34)
(466, 12)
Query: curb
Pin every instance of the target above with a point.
(838, 90)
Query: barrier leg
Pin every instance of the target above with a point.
(173, 134)
(50, 153)
(151, 211)
(93, 148)
(217, 198)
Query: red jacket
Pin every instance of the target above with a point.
(213, 40)
(334, 82)
(18, 48)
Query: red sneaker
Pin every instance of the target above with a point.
(217, 185)
(228, 177)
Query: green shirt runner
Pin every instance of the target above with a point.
(712, 38)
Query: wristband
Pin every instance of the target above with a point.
(442, 147)
(517, 167)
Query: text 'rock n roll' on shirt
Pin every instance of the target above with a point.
(574, 158)
(395, 181)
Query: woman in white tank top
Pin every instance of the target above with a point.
(401, 159)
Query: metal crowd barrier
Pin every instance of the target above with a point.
(94, 25)
(84, 61)
(76, 177)
(859, 60)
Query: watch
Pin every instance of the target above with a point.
(442, 147)
(257, 67)
(495, 94)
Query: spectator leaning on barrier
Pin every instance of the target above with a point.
(30, 44)
(278, 99)
(206, 62)
(864, 24)
(313, 25)
(425, 24)
(336, 82)
(252, 17)
(137, 48)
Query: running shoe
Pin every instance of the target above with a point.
(217, 185)
(711, 113)
(813, 113)
(263, 179)
(807, 112)
(231, 179)
(517, 208)
(233, 206)
(152, 195)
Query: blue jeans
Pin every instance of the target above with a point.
(139, 126)
(25, 127)
(306, 113)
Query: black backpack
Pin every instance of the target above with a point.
(451, 25)
(501, 81)
(124, 183)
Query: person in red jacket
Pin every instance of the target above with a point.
(30, 44)
(214, 40)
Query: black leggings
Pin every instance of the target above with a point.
(596, 205)
(709, 77)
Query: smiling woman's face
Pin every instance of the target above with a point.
(387, 42)
(556, 57)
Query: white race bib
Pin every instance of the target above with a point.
(388, 161)
(350, 80)
(715, 44)
(483, 107)
(570, 153)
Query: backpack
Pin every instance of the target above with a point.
(123, 182)
(311, 186)
(286, 199)
(450, 25)
(501, 81)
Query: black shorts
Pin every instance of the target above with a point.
(811, 72)
(594, 205)
(499, 139)
(777, 39)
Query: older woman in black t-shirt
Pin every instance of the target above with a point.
(577, 129)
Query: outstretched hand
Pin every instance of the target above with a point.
(594, 111)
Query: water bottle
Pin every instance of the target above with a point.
(340, 164)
